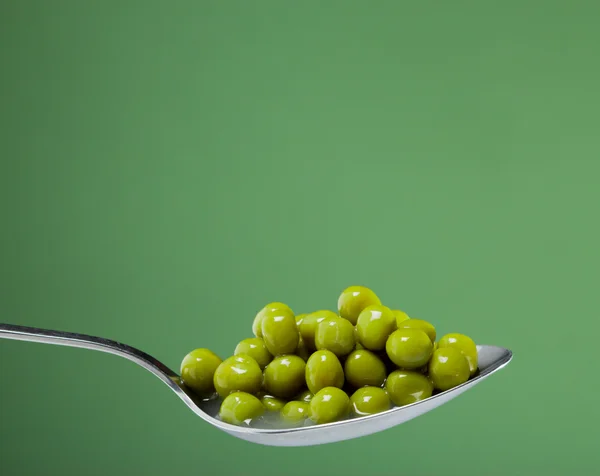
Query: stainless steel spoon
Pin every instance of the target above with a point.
(491, 359)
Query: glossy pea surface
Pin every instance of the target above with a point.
(279, 331)
(295, 411)
(257, 323)
(354, 300)
(239, 373)
(284, 376)
(198, 370)
(299, 319)
(363, 368)
(323, 369)
(370, 400)
(400, 316)
(254, 347)
(409, 348)
(328, 405)
(336, 335)
(240, 407)
(272, 403)
(406, 387)
(308, 326)
(374, 325)
(465, 344)
(448, 368)
(305, 396)
(425, 326)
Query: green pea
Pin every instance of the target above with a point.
(354, 300)
(328, 405)
(308, 326)
(280, 332)
(239, 373)
(272, 306)
(323, 369)
(299, 319)
(419, 324)
(255, 348)
(364, 369)
(295, 411)
(466, 346)
(401, 316)
(370, 400)
(198, 371)
(240, 407)
(284, 376)
(375, 324)
(406, 387)
(336, 335)
(272, 404)
(409, 348)
(305, 396)
(448, 368)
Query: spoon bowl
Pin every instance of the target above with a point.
(491, 359)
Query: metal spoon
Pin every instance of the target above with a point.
(491, 359)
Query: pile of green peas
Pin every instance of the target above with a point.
(325, 366)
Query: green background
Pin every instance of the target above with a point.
(167, 168)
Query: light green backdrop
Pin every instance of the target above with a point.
(166, 168)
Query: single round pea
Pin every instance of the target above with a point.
(284, 376)
(375, 324)
(239, 373)
(308, 326)
(198, 370)
(323, 369)
(255, 348)
(280, 332)
(305, 396)
(409, 348)
(336, 335)
(448, 368)
(463, 343)
(295, 411)
(256, 325)
(401, 316)
(364, 369)
(240, 407)
(419, 324)
(329, 404)
(272, 404)
(405, 387)
(354, 300)
(369, 400)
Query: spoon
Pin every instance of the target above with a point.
(491, 359)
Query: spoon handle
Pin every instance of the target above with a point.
(69, 339)
(45, 336)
